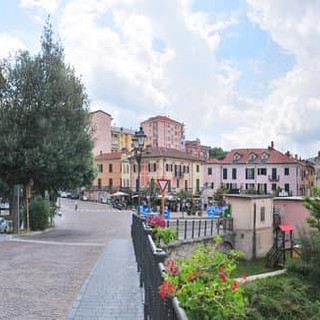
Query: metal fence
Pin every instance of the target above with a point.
(150, 261)
(199, 228)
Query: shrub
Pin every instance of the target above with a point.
(204, 286)
(282, 297)
(39, 214)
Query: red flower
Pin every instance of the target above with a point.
(234, 285)
(166, 288)
(244, 276)
(192, 276)
(172, 267)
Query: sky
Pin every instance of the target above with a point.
(237, 73)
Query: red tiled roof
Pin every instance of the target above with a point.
(156, 152)
(108, 156)
(272, 157)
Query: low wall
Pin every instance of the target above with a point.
(184, 248)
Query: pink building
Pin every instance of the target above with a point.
(164, 132)
(101, 124)
(291, 211)
(195, 148)
(267, 171)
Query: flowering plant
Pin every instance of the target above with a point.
(160, 232)
(203, 284)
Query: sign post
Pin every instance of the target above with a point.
(163, 186)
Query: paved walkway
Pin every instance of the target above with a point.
(111, 291)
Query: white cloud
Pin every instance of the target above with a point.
(49, 6)
(290, 111)
(9, 45)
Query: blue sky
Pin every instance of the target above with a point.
(237, 73)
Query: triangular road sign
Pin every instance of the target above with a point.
(163, 184)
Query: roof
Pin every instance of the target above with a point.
(257, 156)
(157, 152)
(285, 227)
(100, 111)
(162, 118)
(108, 156)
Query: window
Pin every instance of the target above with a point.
(185, 185)
(274, 187)
(167, 167)
(262, 214)
(100, 168)
(224, 173)
(262, 171)
(236, 157)
(249, 173)
(212, 185)
(110, 183)
(234, 173)
(198, 168)
(252, 157)
(209, 171)
(110, 167)
(287, 187)
(198, 185)
(99, 183)
(178, 184)
(286, 171)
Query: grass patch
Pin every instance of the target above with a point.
(251, 267)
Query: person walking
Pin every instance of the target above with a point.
(75, 205)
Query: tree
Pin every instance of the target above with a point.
(313, 205)
(217, 152)
(44, 121)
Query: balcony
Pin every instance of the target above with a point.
(274, 178)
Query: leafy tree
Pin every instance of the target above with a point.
(217, 152)
(313, 205)
(44, 121)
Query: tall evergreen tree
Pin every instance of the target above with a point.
(44, 121)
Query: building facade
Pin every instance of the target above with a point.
(266, 171)
(164, 132)
(121, 139)
(101, 125)
(109, 167)
(178, 167)
(195, 148)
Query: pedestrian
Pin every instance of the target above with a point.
(75, 206)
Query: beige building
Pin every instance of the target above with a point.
(101, 124)
(253, 223)
(164, 132)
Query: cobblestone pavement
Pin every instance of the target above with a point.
(43, 274)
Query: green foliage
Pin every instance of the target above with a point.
(164, 235)
(44, 121)
(204, 286)
(313, 205)
(283, 297)
(217, 152)
(308, 264)
(39, 214)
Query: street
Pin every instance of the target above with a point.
(42, 273)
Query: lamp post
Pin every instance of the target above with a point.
(138, 143)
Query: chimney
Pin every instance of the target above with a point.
(288, 153)
(296, 156)
(272, 145)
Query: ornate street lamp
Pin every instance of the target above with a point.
(138, 143)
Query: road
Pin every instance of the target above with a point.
(42, 273)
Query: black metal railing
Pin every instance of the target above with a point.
(199, 228)
(150, 261)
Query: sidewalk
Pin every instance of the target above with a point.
(111, 291)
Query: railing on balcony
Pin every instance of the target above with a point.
(274, 178)
(150, 260)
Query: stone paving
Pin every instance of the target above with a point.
(87, 258)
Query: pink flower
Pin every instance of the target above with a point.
(244, 276)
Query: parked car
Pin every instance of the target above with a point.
(3, 225)
(84, 198)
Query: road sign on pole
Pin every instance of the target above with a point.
(163, 183)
